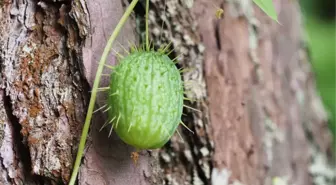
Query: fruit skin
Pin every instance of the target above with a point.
(146, 94)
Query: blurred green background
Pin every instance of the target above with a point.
(319, 19)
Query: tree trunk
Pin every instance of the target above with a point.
(261, 121)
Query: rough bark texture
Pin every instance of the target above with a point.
(41, 75)
(256, 67)
(260, 121)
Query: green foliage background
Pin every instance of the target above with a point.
(320, 25)
(319, 17)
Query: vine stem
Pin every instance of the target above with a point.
(147, 35)
(102, 62)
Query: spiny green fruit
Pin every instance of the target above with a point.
(146, 99)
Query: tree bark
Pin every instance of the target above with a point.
(261, 120)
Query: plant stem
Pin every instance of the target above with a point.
(147, 35)
(95, 88)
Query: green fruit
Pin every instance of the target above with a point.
(146, 99)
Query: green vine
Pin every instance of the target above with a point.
(265, 5)
(102, 62)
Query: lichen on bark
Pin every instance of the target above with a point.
(41, 75)
(249, 76)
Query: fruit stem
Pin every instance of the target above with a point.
(147, 35)
(95, 88)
